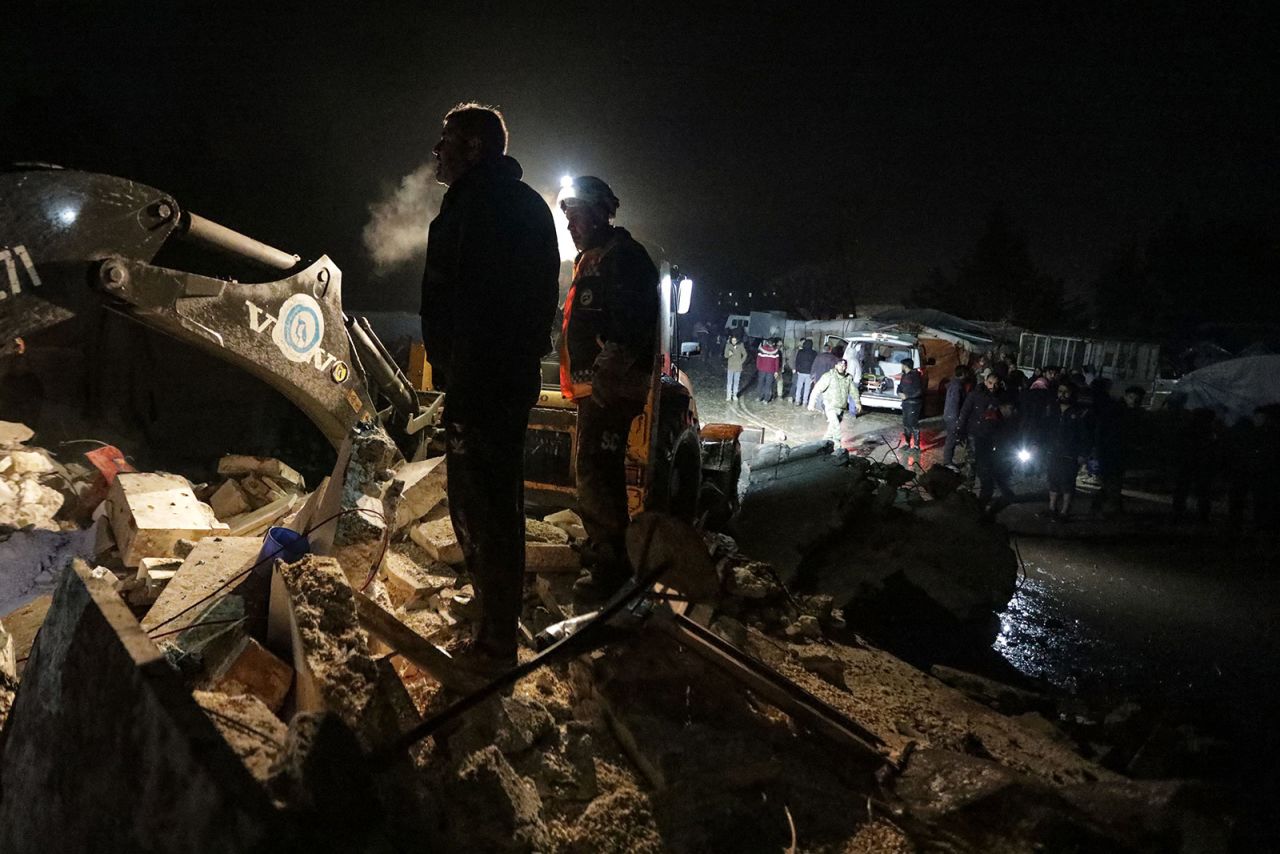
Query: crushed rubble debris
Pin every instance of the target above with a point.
(681, 742)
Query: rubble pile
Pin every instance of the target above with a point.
(899, 556)
(279, 690)
(254, 493)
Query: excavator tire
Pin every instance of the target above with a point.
(677, 464)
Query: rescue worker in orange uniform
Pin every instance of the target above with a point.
(607, 350)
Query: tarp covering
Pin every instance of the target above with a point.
(980, 333)
(1233, 388)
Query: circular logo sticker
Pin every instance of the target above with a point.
(299, 327)
(586, 298)
(340, 372)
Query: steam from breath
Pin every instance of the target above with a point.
(396, 233)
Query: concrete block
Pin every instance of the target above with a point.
(212, 563)
(412, 586)
(229, 500)
(261, 491)
(247, 668)
(550, 557)
(255, 522)
(235, 465)
(439, 541)
(536, 531)
(425, 486)
(569, 522)
(151, 512)
(29, 462)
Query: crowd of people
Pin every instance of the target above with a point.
(1046, 427)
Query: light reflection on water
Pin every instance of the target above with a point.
(1039, 636)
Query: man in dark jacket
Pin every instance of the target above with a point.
(607, 350)
(911, 392)
(492, 266)
(1066, 442)
(802, 385)
(987, 419)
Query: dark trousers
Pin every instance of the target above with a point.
(765, 385)
(602, 479)
(949, 450)
(991, 471)
(911, 421)
(485, 460)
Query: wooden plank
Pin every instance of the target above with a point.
(413, 646)
(769, 685)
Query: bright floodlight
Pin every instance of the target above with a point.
(566, 182)
(1024, 455)
(685, 296)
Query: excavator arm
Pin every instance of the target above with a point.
(69, 238)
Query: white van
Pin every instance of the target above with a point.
(879, 356)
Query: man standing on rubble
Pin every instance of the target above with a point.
(607, 350)
(491, 274)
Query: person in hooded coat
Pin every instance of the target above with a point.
(492, 268)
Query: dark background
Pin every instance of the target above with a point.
(744, 142)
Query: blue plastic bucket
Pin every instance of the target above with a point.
(283, 544)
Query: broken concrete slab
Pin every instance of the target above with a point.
(213, 562)
(151, 512)
(439, 541)
(229, 500)
(175, 784)
(550, 557)
(330, 652)
(537, 531)
(413, 585)
(425, 485)
(246, 667)
(261, 491)
(14, 433)
(249, 728)
(235, 465)
(569, 522)
(255, 522)
(28, 462)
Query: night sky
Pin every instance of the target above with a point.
(742, 143)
